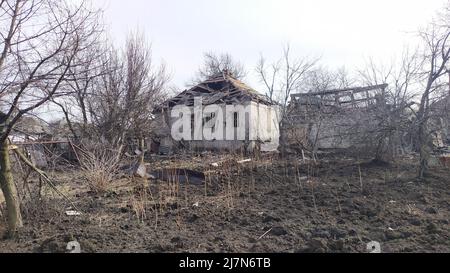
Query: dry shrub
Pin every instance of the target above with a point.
(139, 205)
(99, 164)
(145, 203)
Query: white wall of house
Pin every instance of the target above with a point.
(265, 122)
(261, 124)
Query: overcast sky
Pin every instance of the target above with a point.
(344, 32)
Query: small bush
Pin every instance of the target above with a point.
(99, 165)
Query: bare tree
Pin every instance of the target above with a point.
(214, 64)
(402, 76)
(284, 77)
(281, 79)
(113, 97)
(122, 100)
(436, 68)
(39, 43)
(319, 80)
(393, 132)
(421, 80)
(78, 88)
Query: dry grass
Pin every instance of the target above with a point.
(139, 204)
(99, 166)
(147, 202)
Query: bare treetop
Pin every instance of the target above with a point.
(40, 43)
(215, 64)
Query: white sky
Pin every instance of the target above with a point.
(344, 32)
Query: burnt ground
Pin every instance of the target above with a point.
(264, 206)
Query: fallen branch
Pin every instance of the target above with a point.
(232, 161)
(39, 143)
(75, 151)
(44, 176)
(244, 161)
(267, 232)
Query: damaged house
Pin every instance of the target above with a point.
(440, 122)
(30, 129)
(350, 119)
(27, 133)
(236, 116)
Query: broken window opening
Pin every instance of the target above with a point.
(207, 120)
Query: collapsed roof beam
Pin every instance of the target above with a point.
(336, 91)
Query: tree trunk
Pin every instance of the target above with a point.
(142, 148)
(9, 191)
(424, 139)
(425, 150)
(282, 148)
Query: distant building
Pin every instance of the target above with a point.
(440, 122)
(29, 129)
(260, 122)
(349, 119)
(27, 133)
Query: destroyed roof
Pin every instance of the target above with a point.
(351, 89)
(341, 96)
(61, 129)
(221, 88)
(32, 126)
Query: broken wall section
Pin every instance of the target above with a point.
(354, 120)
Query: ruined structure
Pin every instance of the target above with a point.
(43, 143)
(30, 129)
(259, 121)
(352, 119)
(27, 133)
(440, 122)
